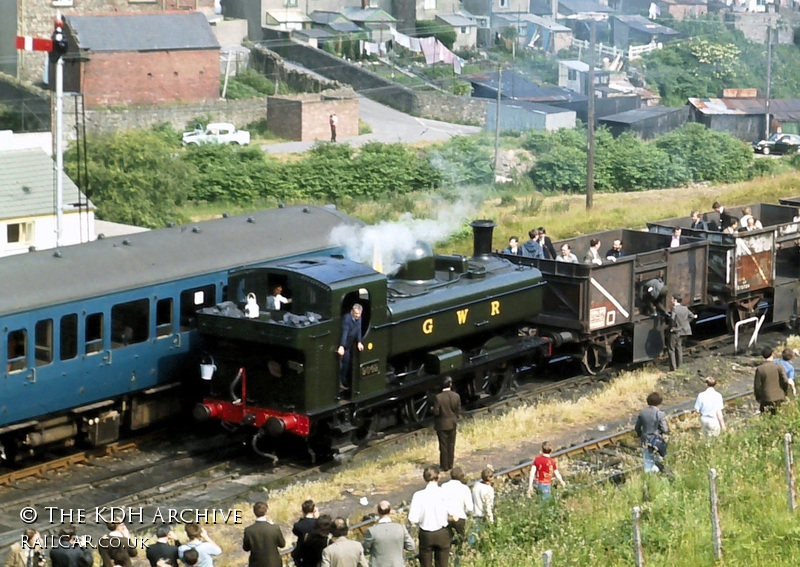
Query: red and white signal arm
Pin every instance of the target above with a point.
(29, 43)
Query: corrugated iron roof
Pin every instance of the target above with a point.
(782, 109)
(142, 32)
(27, 185)
(641, 113)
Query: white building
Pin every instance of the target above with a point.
(28, 203)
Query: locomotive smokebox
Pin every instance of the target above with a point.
(482, 230)
(419, 265)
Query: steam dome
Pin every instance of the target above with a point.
(419, 264)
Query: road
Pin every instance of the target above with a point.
(388, 126)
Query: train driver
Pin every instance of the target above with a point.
(351, 338)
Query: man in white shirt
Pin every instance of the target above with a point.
(675, 241)
(429, 510)
(709, 404)
(459, 500)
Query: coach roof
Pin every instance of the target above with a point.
(121, 263)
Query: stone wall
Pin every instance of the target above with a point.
(754, 25)
(437, 106)
(240, 112)
(271, 64)
(29, 103)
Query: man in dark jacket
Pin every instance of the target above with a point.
(547, 244)
(651, 426)
(166, 546)
(770, 383)
(446, 410)
(351, 338)
(263, 539)
(678, 328)
(71, 551)
(117, 540)
(302, 528)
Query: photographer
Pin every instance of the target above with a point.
(28, 553)
(71, 551)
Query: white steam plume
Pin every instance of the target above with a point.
(393, 241)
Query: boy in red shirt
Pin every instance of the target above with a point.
(543, 470)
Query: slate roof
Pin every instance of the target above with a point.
(143, 32)
(640, 23)
(334, 20)
(457, 20)
(517, 87)
(540, 7)
(27, 185)
(317, 33)
(367, 15)
(546, 23)
(641, 113)
(323, 16)
(583, 6)
(781, 109)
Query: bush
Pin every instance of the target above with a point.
(708, 155)
(135, 177)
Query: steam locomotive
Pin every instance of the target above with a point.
(277, 374)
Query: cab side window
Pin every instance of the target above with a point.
(191, 301)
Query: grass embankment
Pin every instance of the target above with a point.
(594, 527)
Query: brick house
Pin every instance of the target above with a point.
(35, 18)
(142, 59)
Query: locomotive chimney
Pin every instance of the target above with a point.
(482, 230)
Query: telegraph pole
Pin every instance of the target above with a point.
(769, 82)
(590, 125)
(497, 120)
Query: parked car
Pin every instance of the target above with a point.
(217, 133)
(778, 143)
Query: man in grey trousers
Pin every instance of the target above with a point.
(678, 328)
(385, 541)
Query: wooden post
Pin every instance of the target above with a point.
(716, 530)
(547, 558)
(789, 458)
(638, 554)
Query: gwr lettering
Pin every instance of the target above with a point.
(427, 326)
(495, 308)
(461, 315)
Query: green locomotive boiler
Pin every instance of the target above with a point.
(277, 373)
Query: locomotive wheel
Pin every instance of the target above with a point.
(595, 359)
(416, 408)
(495, 382)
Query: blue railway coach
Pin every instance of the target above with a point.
(96, 338)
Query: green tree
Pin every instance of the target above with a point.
(708, 155)
(135, 177)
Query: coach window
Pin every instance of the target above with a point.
(191, 301)
(17, 350)
(130, 323)
(44, 342)
(68, 337)
(164, 317)
(94, 333)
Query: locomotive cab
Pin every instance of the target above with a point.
(283, 363)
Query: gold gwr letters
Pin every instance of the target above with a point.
(495, 305)
(461, 315)
(427, 326)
